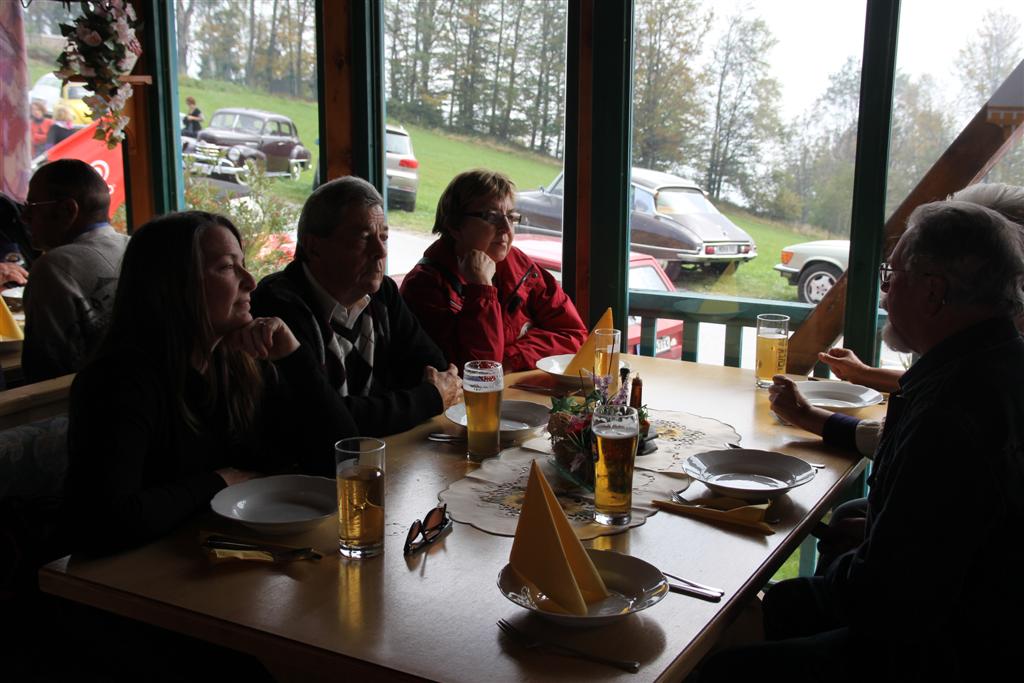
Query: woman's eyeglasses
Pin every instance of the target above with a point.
(497, 218)
(431, 527)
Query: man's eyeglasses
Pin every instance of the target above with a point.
(497, 218)
(28, 206)
(433, 525)
(885, 271)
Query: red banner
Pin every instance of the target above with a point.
(108, 162)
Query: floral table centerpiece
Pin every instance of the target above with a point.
(572, 440)
(100, 49)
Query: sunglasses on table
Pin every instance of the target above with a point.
(431, 527)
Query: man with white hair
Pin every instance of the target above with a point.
(930, 591)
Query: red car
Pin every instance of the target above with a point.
(644, 273)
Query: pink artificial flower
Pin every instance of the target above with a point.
(88, 36)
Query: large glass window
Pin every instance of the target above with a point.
(249, 118)
(744, 130)
(472, 84)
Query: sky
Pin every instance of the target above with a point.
(816, 37)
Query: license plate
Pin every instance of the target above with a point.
(663, 344)
(727, 249)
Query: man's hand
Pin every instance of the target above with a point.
(477, 267)
(266, 338)
(447, 384)
(12, 272)
(790, 405)
(846, 365)
(844, 535)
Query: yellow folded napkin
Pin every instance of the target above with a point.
(547, 555)
(584, 358)
(724, 510)
(10, 330)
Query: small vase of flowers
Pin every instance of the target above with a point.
(572, 439)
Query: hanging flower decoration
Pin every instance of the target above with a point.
(101, 47)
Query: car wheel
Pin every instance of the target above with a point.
(246, 173)
(673, 269)
(296, 170)
(815, 281)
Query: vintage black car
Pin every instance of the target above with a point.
(237, 142)
(672, 221)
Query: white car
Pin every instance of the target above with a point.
(814, 267)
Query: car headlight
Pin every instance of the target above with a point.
(234, 153)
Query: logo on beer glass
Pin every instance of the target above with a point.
(482, 384)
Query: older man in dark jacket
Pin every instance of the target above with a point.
(342, 308)
(934, 591)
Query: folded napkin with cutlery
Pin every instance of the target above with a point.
(584, 358)
(547, 555)
(225, 548)
(723, 510)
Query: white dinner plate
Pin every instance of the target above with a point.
(839, 396)
(748, 474)
(519, 419)
(634, 585)
(283, 504)
(556, 365)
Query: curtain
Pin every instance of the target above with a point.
(15, 146)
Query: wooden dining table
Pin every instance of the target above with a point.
(433, 615)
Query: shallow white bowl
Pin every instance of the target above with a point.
(634, 585)
(556, 365)
(748, 474)
(840, 397)
(519, 419)
(283, 504)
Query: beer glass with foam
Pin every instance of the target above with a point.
(482, 384)
(359, 464)
(772, 347)
(616, 433)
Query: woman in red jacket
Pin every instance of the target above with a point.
(479, 297)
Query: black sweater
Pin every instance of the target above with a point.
(137, 470)
(399, 398)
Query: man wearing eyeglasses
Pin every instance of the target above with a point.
(478, 296)
(70, 293)
(932, 591)
(345, 311)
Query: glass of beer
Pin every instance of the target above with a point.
(482, 384)
(772, 347)
(606, 355)
(616, 431)
(359, 465)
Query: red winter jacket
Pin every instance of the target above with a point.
(524, 317)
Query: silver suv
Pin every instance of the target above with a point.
(402, 168)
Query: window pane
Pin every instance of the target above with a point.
(744, 129)
(471, 84)
(250, 139)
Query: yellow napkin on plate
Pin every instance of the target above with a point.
(724, 510)
(584, 358)
(547, 555)
(10, 330)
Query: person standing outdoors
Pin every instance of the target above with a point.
(193, 119)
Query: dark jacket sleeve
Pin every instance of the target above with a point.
(470, 329)
(115, 440)
(304, 417)
(556, 326)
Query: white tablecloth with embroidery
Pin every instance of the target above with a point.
(489, 498)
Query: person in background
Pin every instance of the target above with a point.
(188, 393)
(481, 298)
(904, 605)
(193, 119)
(63, 126)
(71, 291)
(40, 127)
(349, 317)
